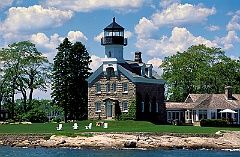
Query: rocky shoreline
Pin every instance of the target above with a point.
(220, 140)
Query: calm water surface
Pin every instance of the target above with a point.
(70, 152)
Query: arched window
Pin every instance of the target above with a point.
(110, 71)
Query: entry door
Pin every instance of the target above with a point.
(109, 109)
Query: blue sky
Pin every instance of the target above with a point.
(157, 28)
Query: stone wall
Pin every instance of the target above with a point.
(112, 97)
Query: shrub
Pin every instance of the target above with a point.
(132, 110)
(10, 121)
(213, 123)
(57, 119)
(35, 116)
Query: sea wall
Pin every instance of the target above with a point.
(220, 140)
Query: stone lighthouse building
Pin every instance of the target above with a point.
(117, 82)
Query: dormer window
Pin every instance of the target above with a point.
(146, 72)
(110, 71)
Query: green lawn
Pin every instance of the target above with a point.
(113, 126)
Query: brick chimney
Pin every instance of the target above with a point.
(228, 92)
(138, 57)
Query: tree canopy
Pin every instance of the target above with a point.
(70, 71)
(24, 69)
(199, 70)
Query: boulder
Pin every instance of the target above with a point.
(130, 144)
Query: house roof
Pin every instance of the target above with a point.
(206, 101)
(131, 70)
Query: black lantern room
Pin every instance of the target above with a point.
(114, 35)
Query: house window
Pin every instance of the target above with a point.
(110, 71)
(124, 106)
(150, 107)
(108, 87)
(125, 87)
(156, 107)
(98, 88)
(146, 71)
(202, 114)
(142, 106)
(114, 87)
(98, 106)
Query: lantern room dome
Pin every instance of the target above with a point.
(114, 26)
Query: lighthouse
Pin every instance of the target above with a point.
(114, 41)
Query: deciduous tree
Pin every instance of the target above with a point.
(199, 70)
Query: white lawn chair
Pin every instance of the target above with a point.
(59, 127)
(89, 126)
(105, 125)
(75, 126)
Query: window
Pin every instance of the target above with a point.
(150, 107)
(124, 106)
(98, 88)
(108, 87)
(146, 71)
(202, 114)
(98, 106)
(125, 87)
(110, 71)
(114, 87)
(142, 106)
(156, 107)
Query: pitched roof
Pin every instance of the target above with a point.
(114, 26)
(207, 101)
(130, 70)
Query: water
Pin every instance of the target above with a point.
(73, 152)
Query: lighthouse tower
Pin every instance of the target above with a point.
(113, 41)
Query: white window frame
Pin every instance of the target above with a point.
(142, 106)
(156, 107)
(124, 106)
(98, 106)
(114, 87)
(125, 87)
(98, 88)
(108, 87)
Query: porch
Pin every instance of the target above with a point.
(194, 115)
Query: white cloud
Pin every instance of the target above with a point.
(156, 62)
(234, 22)
(212, 28)
(33, 18)
(145, 28)
(90, 5)
(182, 14)
(166, 3)
(74, 36)
(98, 38)
(228, 40)
(5, 3)
(180, 40)
(48, 45)
(234, 57)
(96, 62)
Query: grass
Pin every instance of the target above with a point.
(113, 126)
